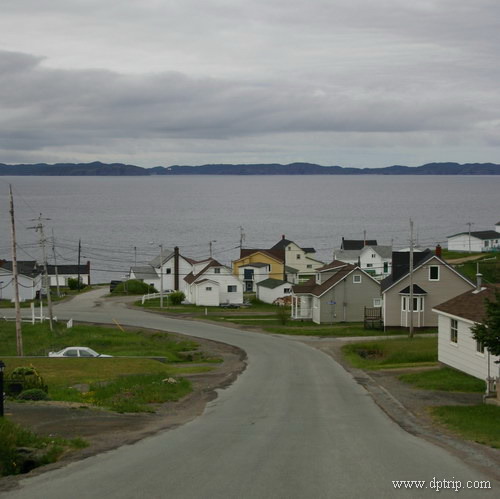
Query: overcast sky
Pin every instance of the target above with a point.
(337, 82)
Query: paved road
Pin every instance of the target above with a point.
(294, 425)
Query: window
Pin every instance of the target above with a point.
(287, 291)
(208, 288)
(231, 289)
(479, 347)
(377, 302)
(374, 255)
(356, 279)
(71, 353)
(418, 304)
(248, 274)
(309, 266)
(168, 271)
(454, 331)
(434, 273)
(386, 267)
(84, 353)
(369, 265)
(298, 257)
(216, 270)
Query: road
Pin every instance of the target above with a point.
(294, 425)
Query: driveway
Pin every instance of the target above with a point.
(294, 424)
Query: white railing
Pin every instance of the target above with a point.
(151, 296)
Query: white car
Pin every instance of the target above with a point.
(77, 352)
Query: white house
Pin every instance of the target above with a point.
(66, 272)
(29, 279)
(211, 284)
(376, 260)
(456, 346)
(484, 240)
(270, 290)
(171, 265)
(253, 273)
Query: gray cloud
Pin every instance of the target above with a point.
(315, 79)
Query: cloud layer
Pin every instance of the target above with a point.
(355, 83)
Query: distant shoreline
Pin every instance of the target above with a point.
(98, 169)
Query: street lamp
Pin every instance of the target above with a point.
(2, 366)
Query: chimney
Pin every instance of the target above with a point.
(438, 251)
(176, 268)
(283, 236)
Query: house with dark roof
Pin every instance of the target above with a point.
(339, 292)
(356, 244)
(271, 290)
(376, 259)
(456, 346)
(60, 274)
(29, 280)
(212, 284)
(483, 240)
(434, 281)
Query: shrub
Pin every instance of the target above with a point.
(282, 315)
(177, 297)
(133, 287)
(75, 284)
(33, 394)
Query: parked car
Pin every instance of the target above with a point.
(77, 352)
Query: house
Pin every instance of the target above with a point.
(273, 260)
(339, 292)
(253, 273)
(29, 279)
(211, 284)
(60, 274)
(302, 260)
(375, 260)
(434, 282)
(271, 290)
(484, 240)
(171, 266)
(456, 346)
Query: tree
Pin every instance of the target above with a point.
(488, 333)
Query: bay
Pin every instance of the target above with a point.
(122, 220)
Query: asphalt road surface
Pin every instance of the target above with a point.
(294, 425)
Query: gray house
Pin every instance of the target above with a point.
(434, 282)
(340, 292)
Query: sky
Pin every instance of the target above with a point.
(336, 82)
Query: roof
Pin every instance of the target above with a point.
(401, 265)
(357, 244)
(310, 287)
(190, 278)
(257, 265)
(283, 243)
(469, 305)
(341, 254)
(383, 251)
(277, 254)
(417, 290)
(290, 270)
(336, 264)
(481, 234)
(272, 283)
(144, 272)
(27, 268)
(167, 255)
(67, 269)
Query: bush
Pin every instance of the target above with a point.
(282, 315)
(74, 284)
(133, 287)
(177, 297)
(33, 394)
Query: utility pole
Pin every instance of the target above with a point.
(79, 256)
(55, 263)
(135, 256)
(19, 334)
(411, 279)
(39, 228)
(242, 237)
(469, 224)
(161, 275)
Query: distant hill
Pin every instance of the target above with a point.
(118, 169)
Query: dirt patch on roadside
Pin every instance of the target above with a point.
(105, 430)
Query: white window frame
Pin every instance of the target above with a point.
(454, 331)
(438, 272)
(377, 302)
(216, 270)
(230, 288)
(356, 279)
(479, 348)
(208, 288)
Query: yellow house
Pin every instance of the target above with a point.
(258, 265)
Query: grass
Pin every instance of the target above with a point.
(445, 379)
(489, 264)
(13, 436)
(478, 423)
(392, 353)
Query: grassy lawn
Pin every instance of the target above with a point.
(13, 436)
(445, 379)
(489, 264)
(393, 353)
(117, 383)
(478, 423)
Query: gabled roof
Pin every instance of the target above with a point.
(382, 251)
(401, 265)
(481, 234)
(469, 305)
(202, 281)
(144, 272)
(357, 244)
(272, 283)
(283, 243)
(278, 255)
(28, 268)
(336, 264)
(310, 287)
(344, 255)
(257, 265)
(417, 290)
(158, 261)
(190, 278)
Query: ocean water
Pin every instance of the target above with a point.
(122, 220)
